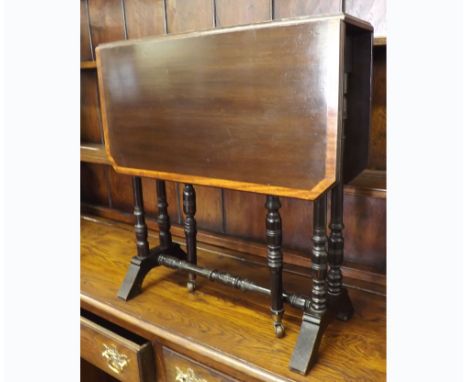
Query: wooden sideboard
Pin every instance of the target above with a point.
(214, 334)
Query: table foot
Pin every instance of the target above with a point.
(140, 266)
(307, 346)
(341, 305)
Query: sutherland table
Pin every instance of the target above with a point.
(277, 108)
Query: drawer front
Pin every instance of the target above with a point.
(123, 359)
(182, 369)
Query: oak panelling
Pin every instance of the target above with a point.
(106, 20)
(240, 12)
(121, 192)
(189, 15)
(294, 8)
(145, 18)
(209, 215)
(297, 221)
(378, 141)
(245, 215)
(94, 184)
(90, 118)
(373, 11)
(85, 38)
(365, 232)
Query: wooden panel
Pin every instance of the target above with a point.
(90, 118)
(293, 8)
(189, 15)
(365, 232)
(94, 184)
(222, 328)
(245, 215)
(107, 21)
(121, 192)
(85, 38)
(378, 142)
(373, 11)
(239, 12)
(358, 64)
(145, 18)
(166, 98)
(180, 368)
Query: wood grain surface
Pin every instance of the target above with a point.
(224, 329)
(241, 116)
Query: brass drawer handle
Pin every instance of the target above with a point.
(187, 376)
(116, 361)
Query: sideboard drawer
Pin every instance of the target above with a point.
(123, 358)
(179, 368)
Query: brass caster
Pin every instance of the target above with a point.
(279, 330)
(191, 286)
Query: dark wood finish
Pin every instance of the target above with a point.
(141, 230)
(209, 207)
(373, 11)
(357, 101)
(86, 52)
(90, 115)
(145, 18)
(189, 15)
(94, 184)
(275, 261)
(164, 223)
(294, 8)
(378, 142)
(242, 154)
(376, 282)
(120, 357)
(337, 295)
(218, 327)
(229, 13)
(365, 251)
(314, 320)
(190, 229)
(319, 256)
(145, 260)
(106, 20)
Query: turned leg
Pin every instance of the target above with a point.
(139, 264)
(338, 295)
(164, 223)
(275, 261)
(190, 229)
(141, 230)
(315, 318)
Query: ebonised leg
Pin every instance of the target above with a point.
(147, 259)
(138, 266)
(275, 261)
(190, 229)
(165, 237)
(338, 295)
(315, 318)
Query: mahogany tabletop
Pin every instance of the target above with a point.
(252, 108)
